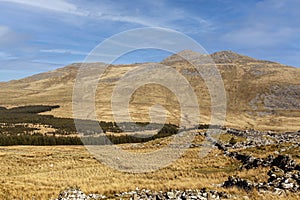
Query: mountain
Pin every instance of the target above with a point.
(260, 94)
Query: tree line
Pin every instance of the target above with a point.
(42, 140)
(14, 129)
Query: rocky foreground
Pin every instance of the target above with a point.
(283, 173)
(203, 194)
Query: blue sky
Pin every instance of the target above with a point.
(38, 35)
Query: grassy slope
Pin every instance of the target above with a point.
(41, 172)
(247, 83)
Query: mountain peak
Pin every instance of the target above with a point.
(229, 56)
(183, 55)
(187, 52)
(226, 56)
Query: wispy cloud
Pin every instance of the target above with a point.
(158, 14)
(64, 51)
(54, 5)
(125, 18)
(63, 31)
(7, 56)
(106, 13)
(269, 23)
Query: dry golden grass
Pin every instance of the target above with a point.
(264, 151)
(42, 172)
(243, 82)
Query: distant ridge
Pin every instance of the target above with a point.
(260, 94)
(226, 56)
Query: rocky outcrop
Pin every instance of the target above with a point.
(77, 194)
(257, 138)
(284, 174)
(202, 194)
(239, 183)
(278, 180)
(284, 162)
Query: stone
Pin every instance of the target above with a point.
(278, 191)
(239, 183)
(284, 162)
(170, 195)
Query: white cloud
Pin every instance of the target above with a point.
(63, 51)
(158, 14)
(53, 5)
(104, 12)
(126, 18)
(269, 23)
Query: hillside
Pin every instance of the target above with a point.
(260, 94)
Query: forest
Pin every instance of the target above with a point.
(18, 126)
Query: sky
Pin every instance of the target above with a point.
(38, 36)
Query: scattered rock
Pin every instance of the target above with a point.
(258, 138)
(139, 194)
(284, 162)
(283, 176)
(239, 183)
(77, 194)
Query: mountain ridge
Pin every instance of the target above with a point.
(218, 57)
(260, 94)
